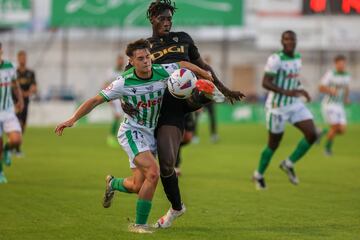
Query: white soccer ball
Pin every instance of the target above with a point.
(181, 83)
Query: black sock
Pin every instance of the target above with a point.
(172, 191)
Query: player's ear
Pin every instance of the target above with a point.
(131, 61)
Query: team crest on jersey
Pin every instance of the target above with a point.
(176, 39)
(133, 90)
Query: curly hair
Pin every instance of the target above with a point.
(159, 6)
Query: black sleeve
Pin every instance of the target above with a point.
(33, 78)
(193, 50)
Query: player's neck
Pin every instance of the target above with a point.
(143, 75)
(22, 68)
(289, 53)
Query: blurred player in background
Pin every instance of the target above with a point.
(115, 104)
(210, 109)
(335, 86)
(167, 47)
(142, 87)
(283, 105)
(9, 123)
(27, 82)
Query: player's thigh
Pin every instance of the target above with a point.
(146, 163)
(135, 141)
(168, 142)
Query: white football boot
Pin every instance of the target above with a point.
(166, 220)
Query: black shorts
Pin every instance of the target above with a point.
(189, 122)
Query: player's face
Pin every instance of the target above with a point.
(141, 60)
(340, 65)
(162, 23)
(22, 59)
(289, 42)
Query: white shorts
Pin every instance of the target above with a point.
(277, 117)
(135, 140)
(9, 123)
(334, 114)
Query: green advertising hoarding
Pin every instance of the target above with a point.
(106, 13)
(14, 12)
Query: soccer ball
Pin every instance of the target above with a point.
(181, 83)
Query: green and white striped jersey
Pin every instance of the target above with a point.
(339, 81)
(285, 70)
(7, 76)
(143, 94)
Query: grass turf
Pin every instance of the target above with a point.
(55, 192)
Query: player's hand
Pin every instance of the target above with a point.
(60, 128)
(298, 93)
(129, 109)
(19, 107)
(333, 91)
(233, 96)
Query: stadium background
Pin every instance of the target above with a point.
(73, 48)
(55, 191)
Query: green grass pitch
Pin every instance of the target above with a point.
(55, 192)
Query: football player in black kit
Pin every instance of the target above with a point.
(27, 82)
(169, 47)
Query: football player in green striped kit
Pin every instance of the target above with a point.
(335, 86)
(9, 123)
(142, 86)
(283, 105)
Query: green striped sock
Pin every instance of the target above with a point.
(266, 156)
(143, 208)
(118, 184)
(300, 150)
(328, 145)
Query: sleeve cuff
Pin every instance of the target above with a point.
(106, 98)
(270, 73)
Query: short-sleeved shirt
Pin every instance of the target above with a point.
(7, 77)
(146, 95)
(338, 80)
(25, 79)
(286, 70)
(175, 47)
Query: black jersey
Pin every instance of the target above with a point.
(175, 47)
(25, 79)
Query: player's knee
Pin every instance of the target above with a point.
(273, 145)
(166, 169)
(136, 187)
(15, 141)
(341, 129)
(153, 175)
(311, 137)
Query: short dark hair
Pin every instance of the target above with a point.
(137, 45)
(159, 6)
(288, 32)
(21, 52)
(339, 57)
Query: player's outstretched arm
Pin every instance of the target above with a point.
(231, 96)
(84, 109)
(201, 73)
(327, 90)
